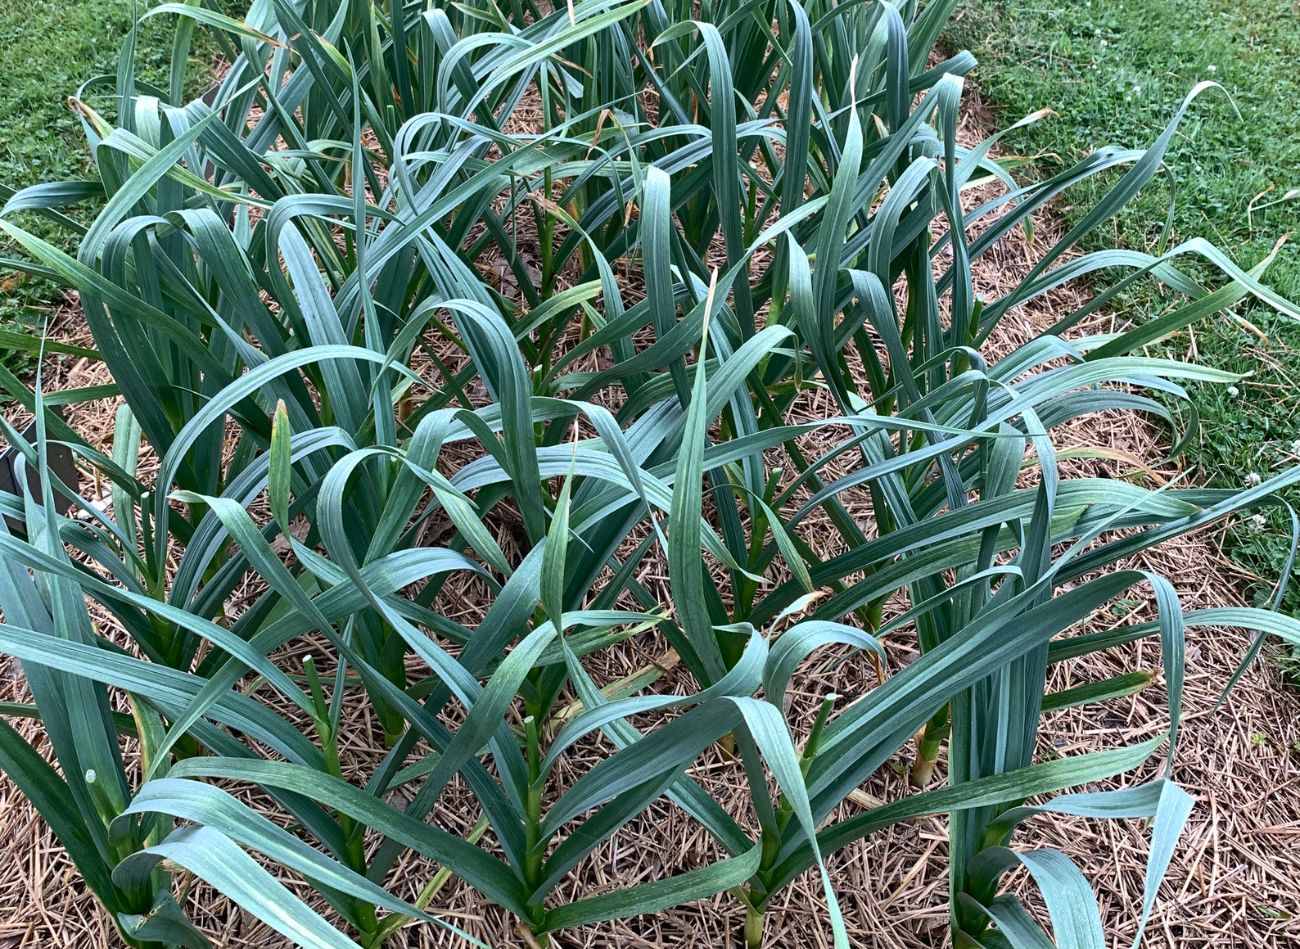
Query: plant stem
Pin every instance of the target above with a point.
(355, 857)
(755, 916)
(533, 848)
(932, 737)
(531, 939)
(533, 855)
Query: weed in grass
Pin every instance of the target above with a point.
(1112, 69)
(51, 51)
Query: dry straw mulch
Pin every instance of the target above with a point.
(1234, 881)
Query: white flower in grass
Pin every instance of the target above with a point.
(1258, 522)
(1211, 68)
(1253, 478)
(1234, 391)
(1295, 446)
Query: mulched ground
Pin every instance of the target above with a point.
(1233, 882)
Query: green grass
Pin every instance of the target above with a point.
(1114, 70)
(51, 48)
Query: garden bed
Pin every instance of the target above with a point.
(1232, 881)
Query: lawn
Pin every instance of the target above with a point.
(50, 49)
(1115, 71)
